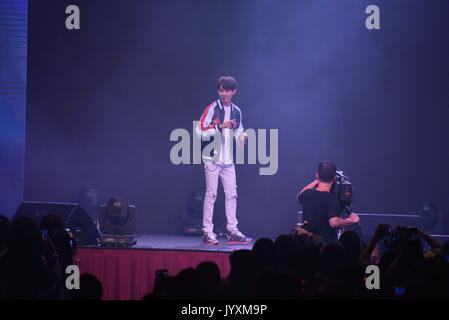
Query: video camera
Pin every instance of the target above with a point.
(342, 188)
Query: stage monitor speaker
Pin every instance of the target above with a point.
(119, 220)
(73, 215)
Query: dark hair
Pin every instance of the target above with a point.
(24, 237)
(90, 288)
(227, 83)
(351, 243)
(326, 171)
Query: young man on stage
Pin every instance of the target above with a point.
(222, 120)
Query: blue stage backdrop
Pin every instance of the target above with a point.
(13, 58)
(103, 100)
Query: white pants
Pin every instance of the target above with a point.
(227, 174)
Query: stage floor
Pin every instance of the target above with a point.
(180, 242)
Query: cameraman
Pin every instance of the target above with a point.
(321, 208)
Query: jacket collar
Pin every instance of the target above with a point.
(221, 106)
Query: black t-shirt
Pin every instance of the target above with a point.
(317, 208)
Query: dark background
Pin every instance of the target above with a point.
(103, 100)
